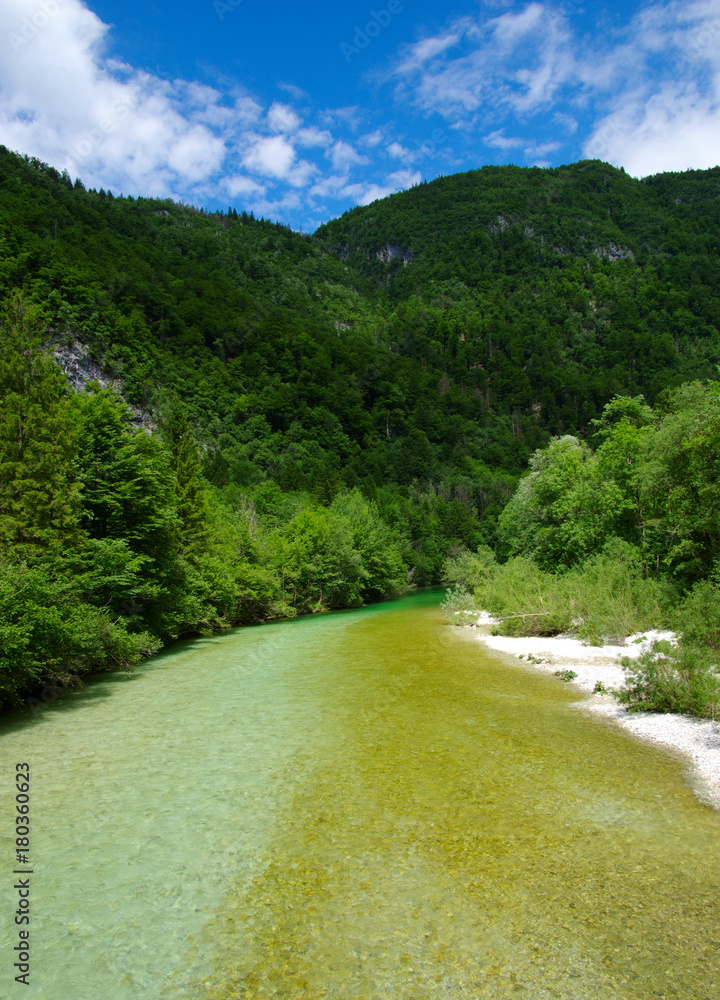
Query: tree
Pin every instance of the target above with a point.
(680, 481)
(190, 485)
(127, 485)
(38, 487)
(563, 510)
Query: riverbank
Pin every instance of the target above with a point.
(697, 741)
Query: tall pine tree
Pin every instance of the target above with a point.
(38, 488)
(190, 485)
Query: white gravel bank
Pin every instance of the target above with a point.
(698, 741)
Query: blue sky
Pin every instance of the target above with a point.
(300, 112)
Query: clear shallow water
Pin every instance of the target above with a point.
(363, 805)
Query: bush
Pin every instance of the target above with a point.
(469, 569)
(604, 600)
(460, 607)
(47, 633)
(672, 679)
(698, 616)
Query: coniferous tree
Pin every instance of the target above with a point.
(190, 484)
(38, 488)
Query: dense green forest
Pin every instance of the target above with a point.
(287, 423)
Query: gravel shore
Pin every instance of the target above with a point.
(698, 741)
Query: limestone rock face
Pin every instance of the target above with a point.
(79, 368)
(391, 251)
(77, 365)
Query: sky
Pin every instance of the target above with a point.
(299, 112)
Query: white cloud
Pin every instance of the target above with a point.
(398, 151)
(296, 92)
(62, 101)
(366, 193)
(272, 156)
(673, 131)
(535, 151)
(343, 155)
(248, 110)
(417, 55)
(372, 139)
(569, 123)
(511, 28)
(405, 178)
(491, 73)
(131, 131)
(301, 175)
(362, 193)
(281, 118)
(497, 140)
(331, 186)
(313, 136)
(196, 154)
(241, 185)
(350, 116)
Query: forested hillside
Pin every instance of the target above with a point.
(327, 417)
(565, 286)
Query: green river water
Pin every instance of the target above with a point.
(358, 805)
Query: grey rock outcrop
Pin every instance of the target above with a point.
(77, 365)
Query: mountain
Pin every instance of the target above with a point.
(566, 286)
(396, 370)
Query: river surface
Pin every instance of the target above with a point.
(354, 806)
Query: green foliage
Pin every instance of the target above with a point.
(38, 490)
(48, 633)
(697, 616)
(564, 509)
(333, 427)
(670, 678)
(679, 481)
(469, 569)
(604, 600)
(460, 606)
(191, 500)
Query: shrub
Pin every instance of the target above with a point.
(470, 569)
(604, 600)
(47, 633)
(460, 607)
(671, 678)
(698, 615)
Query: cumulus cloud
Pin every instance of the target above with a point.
(63, 100)
(272, 156)
(372, 139)
(672, 131)
(398, 151)
(313, 136)
(281, 118)
(498, 140)
(239, 184)
(343, 155)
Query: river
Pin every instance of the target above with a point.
(354, 806)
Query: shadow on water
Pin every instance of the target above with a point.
(102, 685)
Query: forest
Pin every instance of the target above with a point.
(504, 368)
